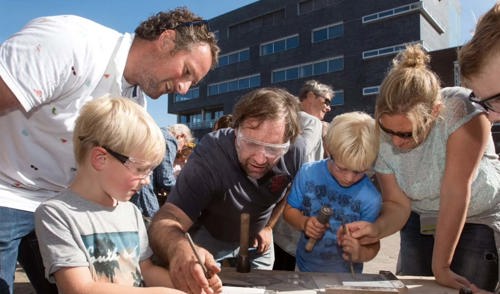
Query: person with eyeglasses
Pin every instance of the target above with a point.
(315, 99)
(243, 169)
(92, 239)
(48, 70)
(479, 63)
(439, 177)
(340, 183)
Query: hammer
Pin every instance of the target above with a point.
(243, 262)
(323, 217)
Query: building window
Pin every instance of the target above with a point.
(280, 45)
(308, 6)
(234, 85)
(273, 18)
(329, 32)
(234, 57)
(391, 12)
(192, 120)
(308, 69)
(417, 6)
(383, 51)
(338, 98)
(367, 91)
(193, 93)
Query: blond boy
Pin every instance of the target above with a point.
(92, 239)
(339, 182)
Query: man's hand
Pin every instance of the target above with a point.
(187, 274)
(264, 239)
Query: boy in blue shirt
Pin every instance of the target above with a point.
(339, 182)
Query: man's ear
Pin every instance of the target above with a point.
(167, 39)
(98, 158)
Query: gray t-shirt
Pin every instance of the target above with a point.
(420, 170)
(110, 241)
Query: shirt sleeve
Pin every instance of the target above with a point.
(57, 241)
(295, 196)
(48, 59)
(372, 203)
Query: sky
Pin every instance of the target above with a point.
(126, 15)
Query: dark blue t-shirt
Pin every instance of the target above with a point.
(213, 190)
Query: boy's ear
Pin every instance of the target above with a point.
(98, 158)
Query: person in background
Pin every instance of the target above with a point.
(150, 197)
(182, 134)
(182, 157)
(225, 121)
(479, 61)
(439, 177)
(233, 170)
(315, 99)
(48, 70)
(92, 239)
(341, 184)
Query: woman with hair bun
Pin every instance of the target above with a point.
(439, 177)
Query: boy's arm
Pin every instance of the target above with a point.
(295, 217)
(76, 280)
(155, 275)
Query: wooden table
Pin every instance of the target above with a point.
(313, 283)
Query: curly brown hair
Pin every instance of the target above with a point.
(190, 29)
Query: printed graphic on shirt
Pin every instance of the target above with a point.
(114, 257)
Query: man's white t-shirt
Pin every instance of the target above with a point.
(54, 65)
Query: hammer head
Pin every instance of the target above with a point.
(243, 264)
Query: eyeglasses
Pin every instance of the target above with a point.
(139, 168)
(192, 24)
(402, 135)
(270, 150)
(491, 103)
(326, 101)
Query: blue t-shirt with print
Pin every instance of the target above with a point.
(313, 187)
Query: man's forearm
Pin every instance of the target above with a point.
(165, 234)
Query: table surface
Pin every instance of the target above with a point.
(306, 282)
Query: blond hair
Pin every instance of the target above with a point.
(351, 139)
(181, 129)
(120, 125)
(485, 43)
(410, 88)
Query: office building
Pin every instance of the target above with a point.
(282, 43)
